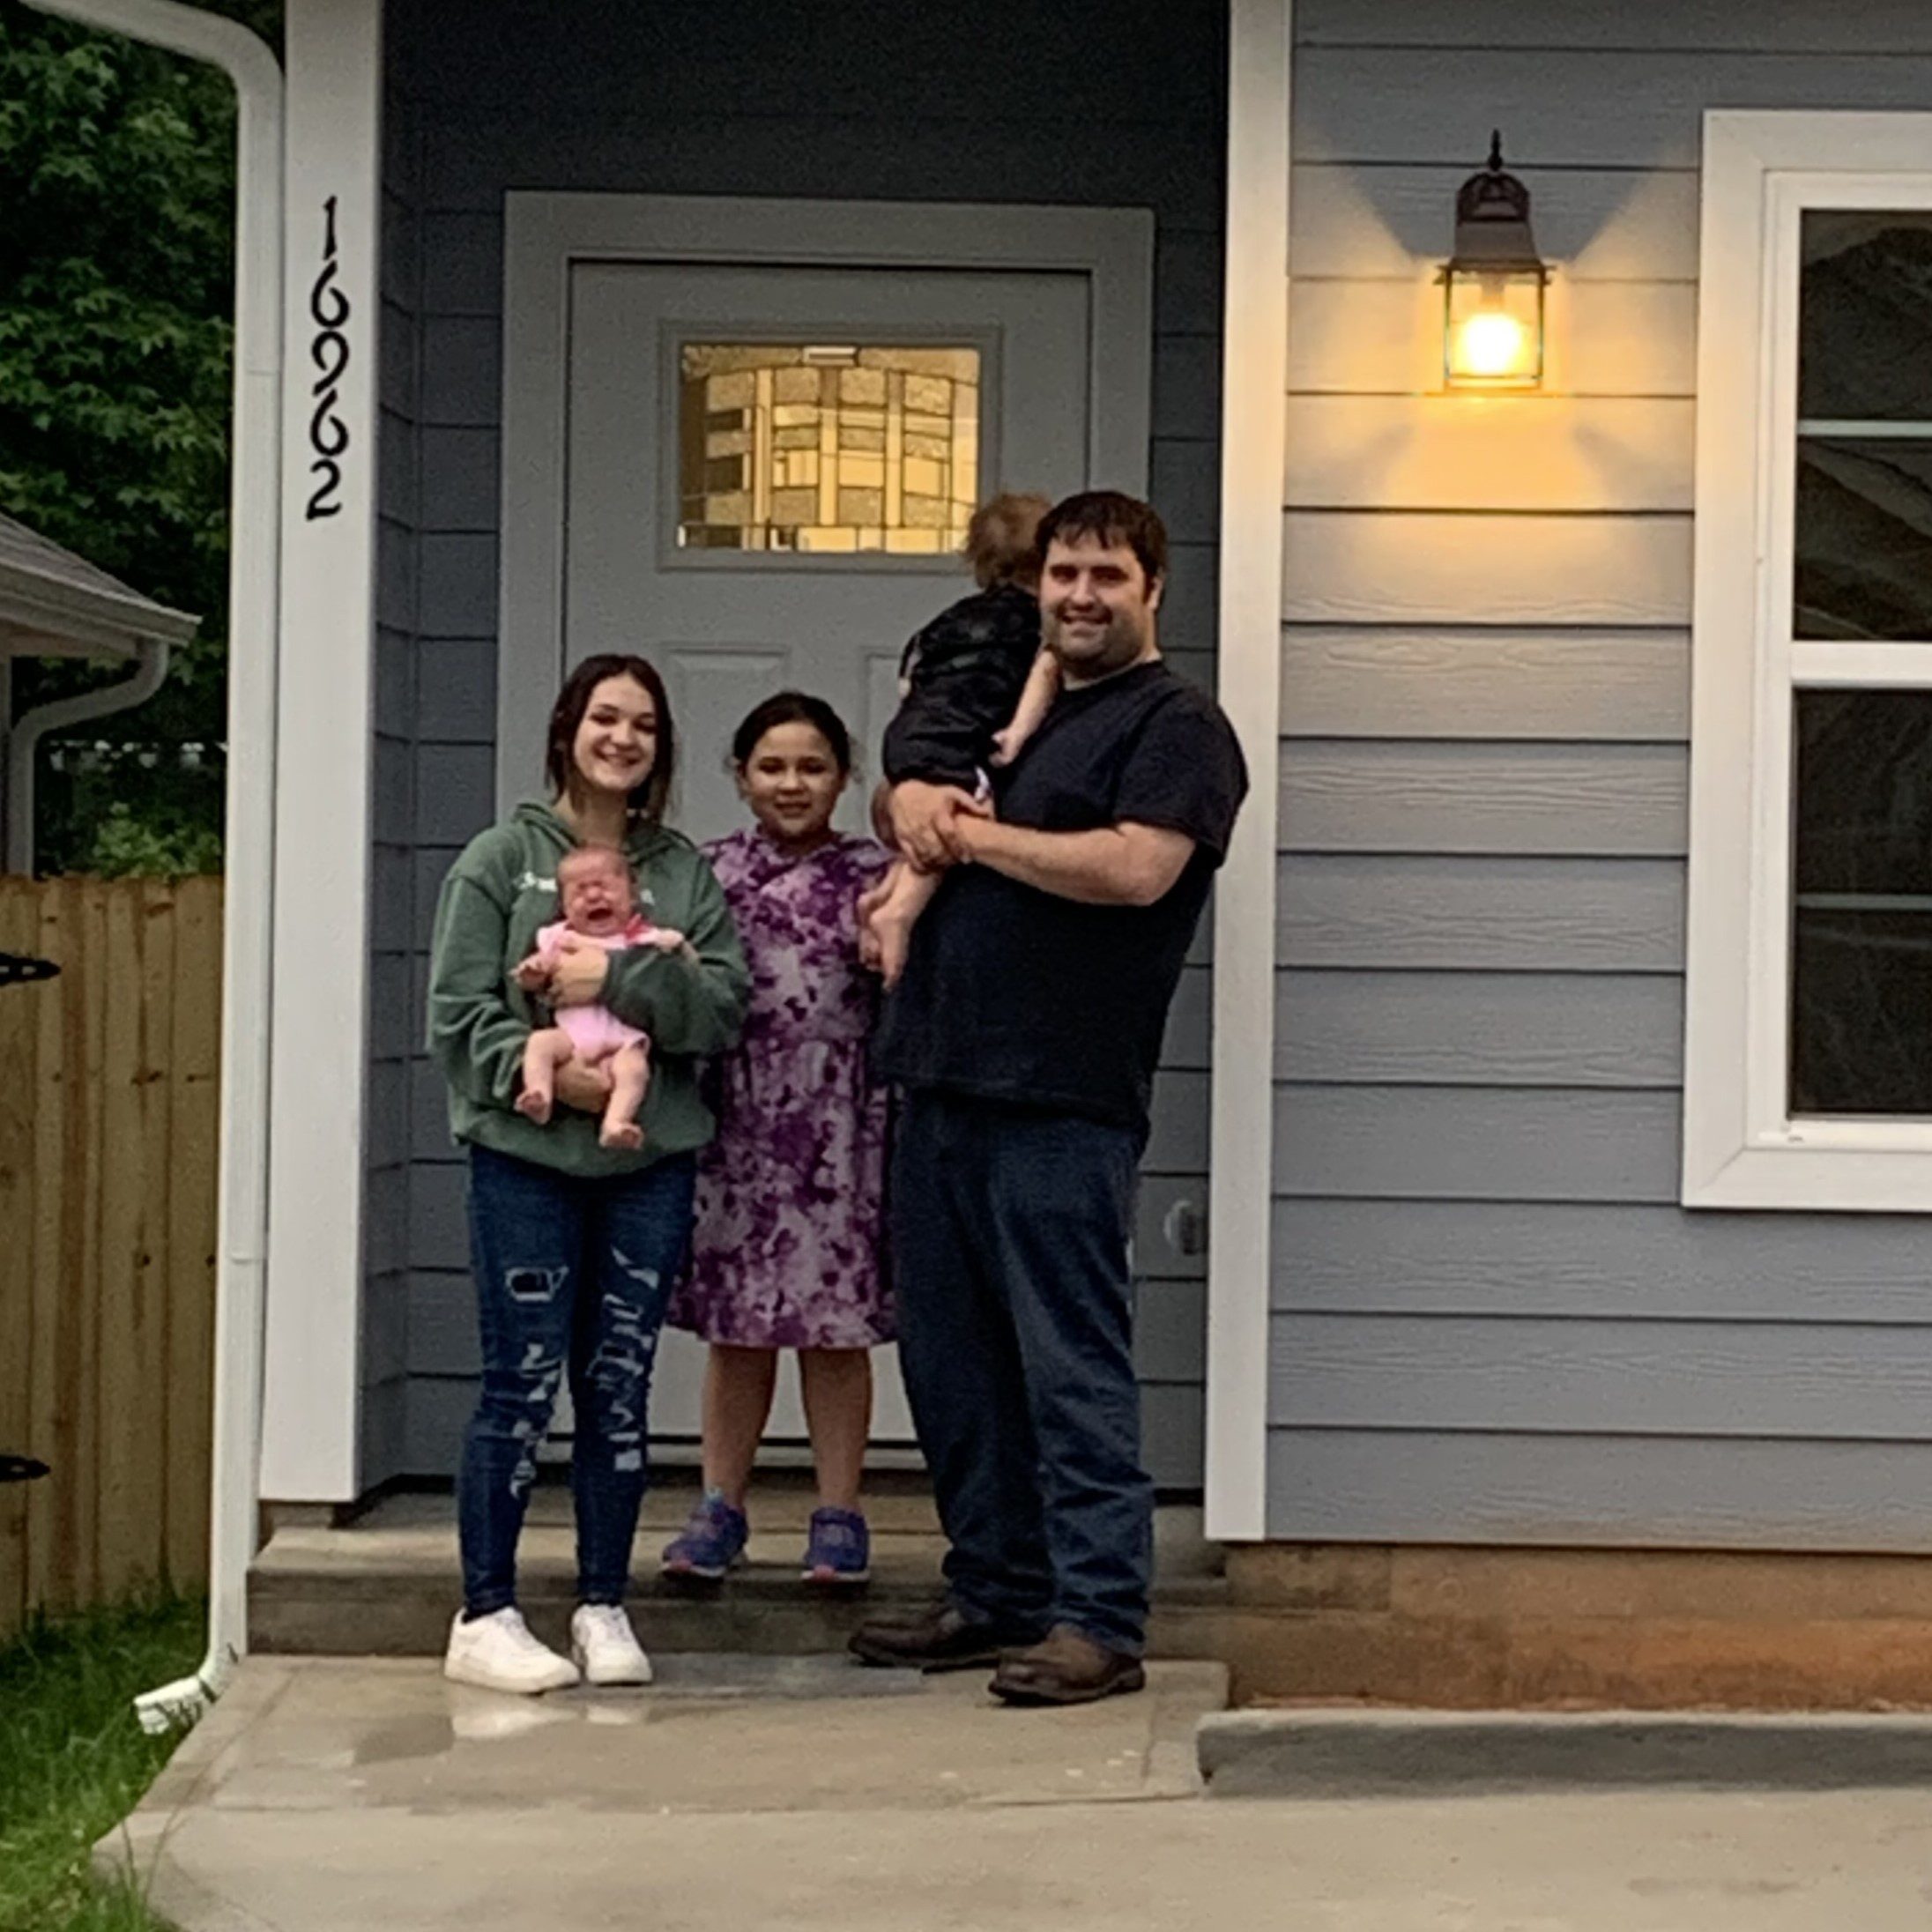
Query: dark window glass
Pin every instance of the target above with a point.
(1863, 538)
(1861, 917)
(1865, 316)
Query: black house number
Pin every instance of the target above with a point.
(329, 308)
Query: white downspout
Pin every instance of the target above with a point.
(24, 739)
(253, 588)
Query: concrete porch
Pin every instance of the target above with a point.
(384, 1584)
(803, 1794)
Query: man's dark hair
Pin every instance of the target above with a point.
(1109, 517)
(793, 708)
(647, 800)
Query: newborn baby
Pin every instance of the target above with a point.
(600, 904)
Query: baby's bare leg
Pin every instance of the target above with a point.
(630, 1076)
(1041, 686)
(545, 1051)
(908, 893)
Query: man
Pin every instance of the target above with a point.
(1024, 1035)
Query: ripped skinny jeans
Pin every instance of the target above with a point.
(572, 1277)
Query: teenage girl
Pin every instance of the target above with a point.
(575, 1241)
(786, 1252)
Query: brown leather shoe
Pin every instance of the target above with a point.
(1068, 1668)
(939, 1639)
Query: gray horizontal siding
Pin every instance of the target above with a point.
(1569, 453)
(1480, 1030)
(901, 154)
(1481, 914)
(1384, 220)
(1628, 106)
(1492, 1320)
(1654, 1264)
(1607, 800)
(1435, 567)
(1476, 1143)
(1614, 1376)
(1695, 1491)
(1360, 336)
(734, 99)
(1555, 686)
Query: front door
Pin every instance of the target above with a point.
(767, 472)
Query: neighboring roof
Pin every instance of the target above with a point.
(55, 604)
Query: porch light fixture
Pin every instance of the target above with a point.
(1493, 285)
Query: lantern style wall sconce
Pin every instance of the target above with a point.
(1493, 285)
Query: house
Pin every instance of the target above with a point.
(55, 605)
(1563, 1326)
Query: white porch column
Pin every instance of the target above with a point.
(1253, 444)
(312, 1370)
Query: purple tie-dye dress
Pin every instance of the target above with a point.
(786, 1249)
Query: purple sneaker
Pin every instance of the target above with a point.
(710, 1542)
(839, 1550)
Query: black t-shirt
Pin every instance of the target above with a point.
(1017, 995)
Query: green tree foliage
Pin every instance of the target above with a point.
(116, 277)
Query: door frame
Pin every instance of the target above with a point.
(546, 233)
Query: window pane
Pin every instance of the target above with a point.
(1865, 316)
(1861, 926)
(1863, 538)
(831, 448)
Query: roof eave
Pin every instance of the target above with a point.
(42, 616)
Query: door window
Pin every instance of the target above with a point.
(827, 449)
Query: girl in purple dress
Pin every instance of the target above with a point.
(786, 1251)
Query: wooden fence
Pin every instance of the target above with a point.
(108, 1120)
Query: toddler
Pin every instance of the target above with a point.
(600, 904)
(974, 686)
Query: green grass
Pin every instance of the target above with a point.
(74, 1760)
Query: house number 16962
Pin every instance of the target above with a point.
(330, 308)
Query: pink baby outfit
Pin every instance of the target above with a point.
(594, 1031)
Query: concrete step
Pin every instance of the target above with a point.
(1357, 1753)
(385, 1584)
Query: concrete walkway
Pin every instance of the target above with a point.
(766, 1795)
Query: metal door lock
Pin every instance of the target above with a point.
(1185, 1229)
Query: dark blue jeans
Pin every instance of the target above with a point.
(1010, 1235)
(571, 1278)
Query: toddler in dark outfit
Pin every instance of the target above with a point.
(974, 686)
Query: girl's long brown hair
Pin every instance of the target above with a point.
(647, 800)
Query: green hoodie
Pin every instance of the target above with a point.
(499, 892)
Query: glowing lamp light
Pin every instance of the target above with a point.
(1493, 285)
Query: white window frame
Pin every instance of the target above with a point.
(1741, 1146)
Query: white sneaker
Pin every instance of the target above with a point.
(605, 1646)
(498, 1652)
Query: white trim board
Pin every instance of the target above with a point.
(545, 234)
(1253, 448)
(1741, 1146)
(312, 1370)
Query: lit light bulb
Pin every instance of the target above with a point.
(1491, 344)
